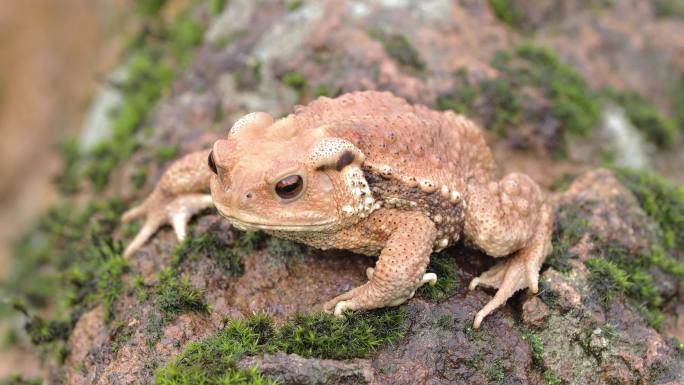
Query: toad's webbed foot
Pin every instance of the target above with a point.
(179, 195)
(503, 218)
(399, 270)
(176, 212)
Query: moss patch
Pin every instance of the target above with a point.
(506, 12)
(677, 101)
(538, 357)
(293, 5)
(461, 99)
(533, 87)
(214, 359)
(17, 379)
(668, 8)
(155, 56)
(569, 225)
(176, 296)
(662, 200)
(444, 265)
(399, 48)
(296, 81)
(212, 246)
(71, 259)
(615, 270)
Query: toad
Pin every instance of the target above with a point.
(370, 173)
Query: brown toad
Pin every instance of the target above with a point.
(370, 173)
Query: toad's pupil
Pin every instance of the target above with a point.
(289, 187)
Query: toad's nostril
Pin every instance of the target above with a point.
(248, 195)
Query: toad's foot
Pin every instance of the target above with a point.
(157, 212)
(400, 268)
(517, 272)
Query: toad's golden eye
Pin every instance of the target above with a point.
(289, 187)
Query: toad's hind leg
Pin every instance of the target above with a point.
(509, 217)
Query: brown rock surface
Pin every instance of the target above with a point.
(565, 333)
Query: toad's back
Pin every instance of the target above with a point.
(418, 142)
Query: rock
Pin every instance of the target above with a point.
(291, 369)
(442, 347)
(534, 312)
(258, 55)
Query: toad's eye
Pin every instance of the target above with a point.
(289, 187)
(211, 163)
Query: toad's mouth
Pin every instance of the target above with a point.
(244, 223)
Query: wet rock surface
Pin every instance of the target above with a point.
(263, 55)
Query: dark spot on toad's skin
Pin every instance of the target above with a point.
(345, 160)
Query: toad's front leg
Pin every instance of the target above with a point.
(181, 192)
(400, 268)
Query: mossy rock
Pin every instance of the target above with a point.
(533, 87)
(214, 359)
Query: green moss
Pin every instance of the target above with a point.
(651, 122)
(668, 8)
(552, 379)
(680, 346)
(196, 375)
(607, 278)
(176, 296)
(295, 80)
(293, 5)
(494, 372)
(322, 90)
(537, 347)
(171, 297)
(445, 321)
(66, 243)
(317, 335)
(67, 264)
(139, 177)
(525, 74)
(325, 336)
(165, 153)
(444, 265)
(248, 241)
(217, 6)
(211, 246)
(42, 332)
(67, 180)
(569, 226)
(562, 182)
(507, 12)
(677, 101)
(120, 335)
(461, 99)
(399, 48)
(618, 271)
(16, 379)
(147, 78)
(150, 7)
(159, 52)
(109, 278)
(662, 200)
(572, 102)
